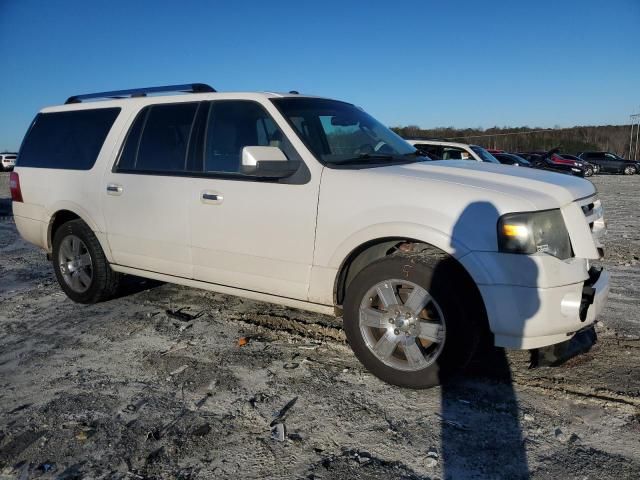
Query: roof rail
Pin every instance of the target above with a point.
(142, 92)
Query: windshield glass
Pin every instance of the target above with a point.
(484, 155)
(340, 133)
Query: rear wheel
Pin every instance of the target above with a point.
(629, 170)
(407, 324)
(588, 172)
(80, 265)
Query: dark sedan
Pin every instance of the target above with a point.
(611, 163)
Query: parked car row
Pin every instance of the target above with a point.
(556, 162)
(589, 162)
(584, 164)
(551, 160)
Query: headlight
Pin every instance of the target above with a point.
(533, 232)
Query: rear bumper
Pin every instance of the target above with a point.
(31, 230)
(529, 317)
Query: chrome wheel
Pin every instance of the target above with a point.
(75, 263)
(629, 170)
(402, 325)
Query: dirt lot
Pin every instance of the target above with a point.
(124, 390)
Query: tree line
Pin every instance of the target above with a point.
(573, 140)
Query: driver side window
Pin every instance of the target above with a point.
(343, 139)
(233, 125)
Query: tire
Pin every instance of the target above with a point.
(458, 325)
(588, 172)
(79, 263)
(629, 170)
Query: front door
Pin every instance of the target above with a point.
(254, 235)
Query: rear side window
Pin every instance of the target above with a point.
(159, 138)
(67, 140)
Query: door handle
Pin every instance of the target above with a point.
(114, 189)
(213, 198)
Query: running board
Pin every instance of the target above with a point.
(238, 292)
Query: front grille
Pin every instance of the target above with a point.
(592, 209)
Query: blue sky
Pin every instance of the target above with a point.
(428, 63)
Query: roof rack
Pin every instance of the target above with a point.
(142, 92)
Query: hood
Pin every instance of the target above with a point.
(542, 189)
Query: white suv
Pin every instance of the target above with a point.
(7, 161)
(311, 203)
(442, 150)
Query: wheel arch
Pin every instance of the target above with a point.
(374, 249)
(66, 211)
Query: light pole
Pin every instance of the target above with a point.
(634, 145)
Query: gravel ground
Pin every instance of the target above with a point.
(124, 389)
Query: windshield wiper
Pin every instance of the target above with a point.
(362, 158)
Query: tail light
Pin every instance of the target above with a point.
(14, 185)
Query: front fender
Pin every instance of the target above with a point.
(324, 277)
(413, 231)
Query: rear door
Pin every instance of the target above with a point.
(248, 233)
(146, 194)
(616, 164)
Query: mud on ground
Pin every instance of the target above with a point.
(125, 390)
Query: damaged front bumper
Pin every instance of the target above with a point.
(594, 294)
(529, 317)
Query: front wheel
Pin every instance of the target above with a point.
(629, 170)
(406, 323)
(80, 265)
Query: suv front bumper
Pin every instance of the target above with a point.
(529, 317)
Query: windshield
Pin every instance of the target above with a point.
(484, 155)
(339, 133)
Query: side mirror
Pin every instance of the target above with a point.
(270, 162)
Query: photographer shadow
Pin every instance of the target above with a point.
(480, 428)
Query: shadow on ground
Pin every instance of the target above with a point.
(5, 207)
